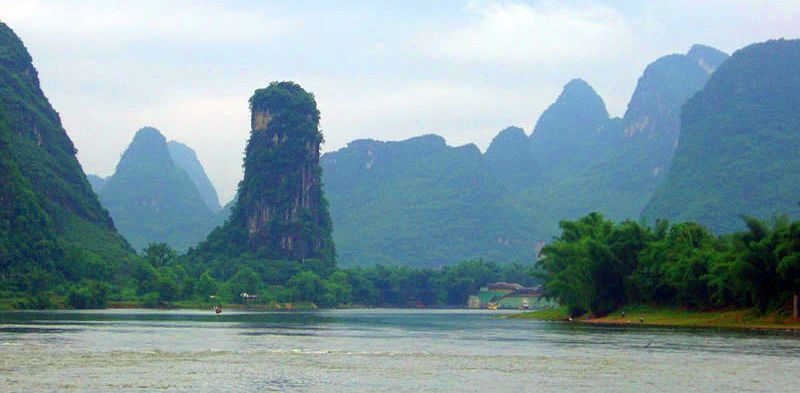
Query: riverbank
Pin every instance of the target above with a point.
(667, 316)
(57, 303)
(193, 305)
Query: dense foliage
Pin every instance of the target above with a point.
(151, 199)
(279, 229)
(161, 277)
(598, 266)
(739, 142)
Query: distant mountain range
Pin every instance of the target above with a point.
(421, 202)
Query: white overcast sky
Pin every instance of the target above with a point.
(381, 70)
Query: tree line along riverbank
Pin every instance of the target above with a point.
(598, 268)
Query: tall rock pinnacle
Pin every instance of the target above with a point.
(281, 205)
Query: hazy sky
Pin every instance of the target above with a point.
(382, 70)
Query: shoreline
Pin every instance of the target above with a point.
(674, 317)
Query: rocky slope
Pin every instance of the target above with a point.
(421, 202)
(620, 184)
(573, 132)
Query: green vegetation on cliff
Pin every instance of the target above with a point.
(739, 143)
(279, 224)
(420, 202)
(53, 230)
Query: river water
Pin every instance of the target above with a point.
(378, 351)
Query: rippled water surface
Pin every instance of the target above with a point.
(377, 350)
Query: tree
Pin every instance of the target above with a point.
(89, 294)
(337, 289)
(159, 254)
(758, 261)
(205, 287)
(244, 281)
(788, 252)
(306, 287)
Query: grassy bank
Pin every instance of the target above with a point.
(670, 316)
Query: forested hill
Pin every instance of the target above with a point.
(51, 223)
(421, 202)
(153, 200)
(739, 143)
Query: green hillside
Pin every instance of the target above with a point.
(51, 223)
(422, 203)
(739, 143)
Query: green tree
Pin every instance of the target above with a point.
(244, 281)
(206, 286)
(159, 254)
(88, 294)
(306, 287)
(758, 261)
(337, 289)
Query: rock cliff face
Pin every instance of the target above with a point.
(652, 122)
(511, 160)
(281, 205)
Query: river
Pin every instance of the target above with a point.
(378, 350)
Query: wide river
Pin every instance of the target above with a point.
(378, 350)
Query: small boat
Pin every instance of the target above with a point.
(492, 306)
(217, 309)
